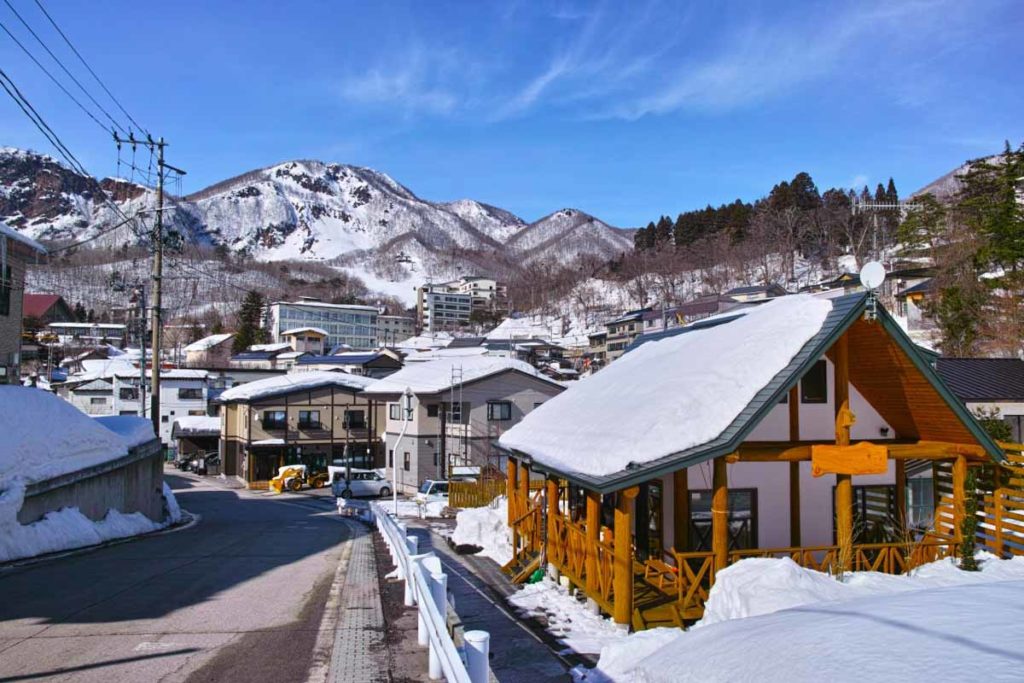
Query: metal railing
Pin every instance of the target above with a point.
(426, 587)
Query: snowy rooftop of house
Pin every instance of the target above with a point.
(437, 340)
(184, 373)
(300, 330)
(670, 394)
(292, 355)
(440, 354)
(11, 233)
(435, 376)
(195, 425)
(276, 346)
(207, 343)
(302, 381)
(527, 327)
(132, 429)
(345, 358)
(44, 436)
(89, 326)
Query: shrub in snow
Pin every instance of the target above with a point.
(969, 525)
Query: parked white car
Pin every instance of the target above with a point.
(361, 483)
(432, 491)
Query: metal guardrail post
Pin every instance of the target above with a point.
(478, 647)
(439, 592)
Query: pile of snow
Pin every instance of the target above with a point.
(956, 633)
(173, 509)
(45, 437)
(431, 377)
(251, 391)
(671, 379)
(567, 618)
(207, 343)
(485, 527)
(763, 602)
(133, 430)
(412, 508)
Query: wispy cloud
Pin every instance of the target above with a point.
(413, 83)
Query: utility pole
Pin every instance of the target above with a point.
(158, 266)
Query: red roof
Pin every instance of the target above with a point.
(36, 305)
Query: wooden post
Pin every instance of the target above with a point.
(844, 482)
(681, 510)
(901, 495)
(512, 491)
(959, 494)
(794, 470)
(553, 541)
(524, 505)
(997, 500)
(622, 576)
(720, 515)
(593, 535)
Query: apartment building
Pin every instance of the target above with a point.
(354, 326)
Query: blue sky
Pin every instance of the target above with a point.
(624, 110)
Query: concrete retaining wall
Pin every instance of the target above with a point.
(133, 483)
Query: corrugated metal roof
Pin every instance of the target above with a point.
(347, 359)
(984, 379)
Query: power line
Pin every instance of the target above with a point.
(64, 68)
(52, 77)
(86, 65)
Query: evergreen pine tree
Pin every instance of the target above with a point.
(250, 322)
(679, 232)
(650, 236)
(969, 525)
(80, 314)
(663, 232)
(890, 193)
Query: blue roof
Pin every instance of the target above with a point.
(350, 359)
(255, 355)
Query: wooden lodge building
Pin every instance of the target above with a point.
(788, 429)
(308, 418)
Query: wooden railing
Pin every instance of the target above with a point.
(695, 573)
(605, 564)
(475, 494)
(1001, 510)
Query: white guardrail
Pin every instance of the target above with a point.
(426, 587)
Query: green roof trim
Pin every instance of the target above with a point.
(845, 311)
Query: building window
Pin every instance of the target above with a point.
(405, 461)
(395, 411)
(814, 385)
(5, 291)
(454, 411)
(197, 413)
(432, 410)
(164, 419)
(97, 401)
(274, 419)
(498, 411)
(355, 419)
(190, 394)
(309, 419)
(128, 394)
(742, 519)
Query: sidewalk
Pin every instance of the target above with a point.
(517, 652)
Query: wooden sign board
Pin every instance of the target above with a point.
(863, 458)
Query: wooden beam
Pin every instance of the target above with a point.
(512, 491)
(844, 482)
(783, 451)
(794, 469)
(622, 575)
(593, 534)
(901, 495)
(681, 510)
(720, 514)
(524, 501)
(959, 494)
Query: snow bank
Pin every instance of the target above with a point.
(133, 430)
(173, 509)
(251, 391)
(667, 383)
(411, 508)
(957, 633)
(567, 618)
(486, 528)
(46, 437)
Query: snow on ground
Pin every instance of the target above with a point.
(304, 380)
(728, 361)
(767, 605)
(410, 508)
(957, 633)
(485, 527)
(568, 619)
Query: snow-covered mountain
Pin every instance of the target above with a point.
(307, 210)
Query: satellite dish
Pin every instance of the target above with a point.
(872, 275)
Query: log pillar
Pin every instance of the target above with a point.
(794, 470)
(530, 537)
(681, 510)
(622, 576)
(593, 529)
(959, 495)
(720, 515)
(552, 512)
(844, 482)
(901, 495)
(512, 492)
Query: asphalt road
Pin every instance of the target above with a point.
(238, 597)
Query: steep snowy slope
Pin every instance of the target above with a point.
(496, 223)
(565, 235)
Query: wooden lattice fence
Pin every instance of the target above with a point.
(1001, 512)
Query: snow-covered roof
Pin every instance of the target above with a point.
(436, 340)
(299, 330)
(292, 355)
(11, 233)
(195, 425)
(89, 326)
(276, 346)
(44, 437)
(184, 373)
(132, 429)
(207, 343)
(440, 354)
(300, 381)
(669, 394)
(435, 376)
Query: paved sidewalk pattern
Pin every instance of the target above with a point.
(360, 650)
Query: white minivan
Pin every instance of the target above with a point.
(361, 483)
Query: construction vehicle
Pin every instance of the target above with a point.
(294, 477)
